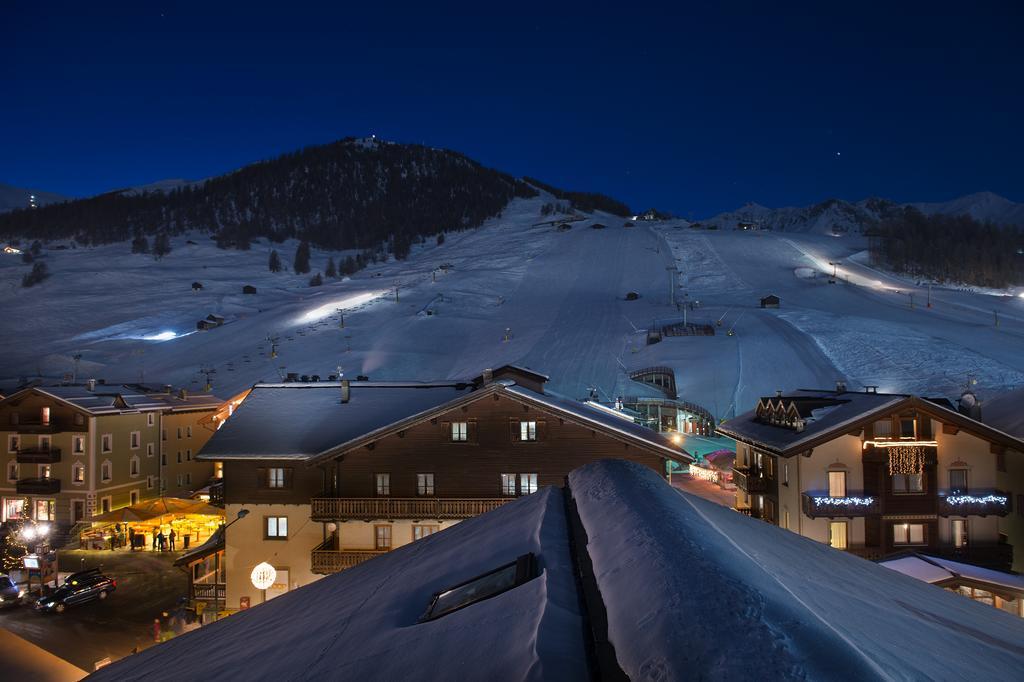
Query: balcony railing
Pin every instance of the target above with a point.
(209, 591)
(369, 508)
(975, 503)
(38, 486)
(750, 480)
(821, 505)
(38, 455)
(325, 559)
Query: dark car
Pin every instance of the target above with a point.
(78, 588)
(10, 594)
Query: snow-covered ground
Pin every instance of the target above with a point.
(516, 291)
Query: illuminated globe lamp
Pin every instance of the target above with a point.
(263, 577)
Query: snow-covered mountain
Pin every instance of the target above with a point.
(12, 198)
(837, 216)
(163, 186)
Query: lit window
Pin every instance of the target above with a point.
(78, 474)
(383, 482)
(959, 531)
(527, 484)
(13, 441)
(837, 534)
(275, 477)
(44, 471)
(460, 432)
(958, 480)
(424, 484)
(420, 532)
(78, 445)
(837, 484)
(44, 416)
(382, 537)
(508, 484)
(528, 430)
(277, 527)
(908, 534)
(482, 587)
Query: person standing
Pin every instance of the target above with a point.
(154, 539)
(163, 541)
(172, 536)
(131, 538)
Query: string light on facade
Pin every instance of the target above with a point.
(906, 459)
(703, 474)
(971, 499)
(844, 501)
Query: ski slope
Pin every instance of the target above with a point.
(517, 290)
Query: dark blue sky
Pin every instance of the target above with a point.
(694, 110)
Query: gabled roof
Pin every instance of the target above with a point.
(107, 399)
(302, 420)
(849, 412)
(936, 570)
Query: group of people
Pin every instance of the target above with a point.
(137, 540)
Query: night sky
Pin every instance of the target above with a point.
(689, 110)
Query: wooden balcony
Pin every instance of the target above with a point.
(326, 558)
(749, 480)
(995, 555)
(820, 505)
(38, 486)
(209, 592)
(38, 456)
(390, 508)
(975, 503)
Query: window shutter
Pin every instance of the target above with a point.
(513, 425)
(446, 429)
(288, 477)
(261, 477)
(471, 431)
(542, 429)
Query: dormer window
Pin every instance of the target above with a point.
(908, 427)
(44, 416)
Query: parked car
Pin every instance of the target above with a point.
(78, 588)
(10, 594)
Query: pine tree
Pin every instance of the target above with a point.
(440, 238)
(331, 270)
(316, 280)
(348, 266)
(302, 258)
(38, 274)
(140, 244)
(275, 261)
(161, 245)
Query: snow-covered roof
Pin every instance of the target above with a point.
(676, 575)
(934, 569)
(301, 420)
(117, 398)
(361, 624)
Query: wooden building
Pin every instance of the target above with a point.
(770, 301)
(877, 474)
(335, 473)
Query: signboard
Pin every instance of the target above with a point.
(31, 561)
(243, 603)
(280, 585)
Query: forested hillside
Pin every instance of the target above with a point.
(355, 193)
(950, 248)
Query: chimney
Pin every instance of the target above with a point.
(840, 386)
(168, 389)
(778, 394)
(871, 389)
(182, 393)
(487, 376)
(346, 390)
(91, 384)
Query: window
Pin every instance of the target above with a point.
(837, 484)
(959, 532)
(420, 532)
(44, 471)
(163, 434)
(12, 471)
(105, 474)
(163, 459)
(133, 466)
(527, 484)
(837, 534)
(188, 455)
(488, 585)
(14, 508)
(104, 505)
(908, 427)
(188, 478)
(785, 474)
(277, 527)
(78, 445)
(883, 429)
(460, 432)
(275, 477)
(508, 484)
(149, 449)
(958, 480)
(382, 537)
(44, 443)
(188, 431)
(424, 484)
(133, 497)
(135, 440)
(785, 519)
(44, 416)
(907, 483)
(179, 479)
(150, 419)
(528, 430)
(106, 443)
(383, 484)
(179, 456)
(13, 441)
(78, 474)
(149, 482)
(79, 419)
(908, 534)
(46, 510)
(179, 433)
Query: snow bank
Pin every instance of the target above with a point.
(361, 624)
(695, 590)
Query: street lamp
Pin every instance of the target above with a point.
(242, 513)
